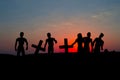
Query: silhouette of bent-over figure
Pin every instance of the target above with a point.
(79, 41)
(98, 43)
(19, 44)
(87, 43)
(50, 42)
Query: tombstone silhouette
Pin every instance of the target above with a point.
(38, 47)
(65, 46)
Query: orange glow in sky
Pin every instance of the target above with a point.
(62, 18)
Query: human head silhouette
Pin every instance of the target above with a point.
(49, 35)
(101, 35)
(79, 35)
(88, 34)
(21, 34)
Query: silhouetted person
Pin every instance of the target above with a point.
(19, 44)
(87, 43)
(98, 43)
(79, 41)
(50, 42)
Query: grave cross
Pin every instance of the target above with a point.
(38, 47)
(65, 46)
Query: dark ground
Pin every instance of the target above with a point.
(100, 59)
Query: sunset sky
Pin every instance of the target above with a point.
(62, 18)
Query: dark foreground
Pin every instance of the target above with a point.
(103, 58)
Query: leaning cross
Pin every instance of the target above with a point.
(65, 46)
(38, 47)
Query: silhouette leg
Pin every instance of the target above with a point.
(48, 50)
(18, 53)
(23, 52)
(52, 50)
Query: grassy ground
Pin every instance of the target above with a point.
(103, 58)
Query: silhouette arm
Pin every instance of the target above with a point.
(74, 42)
(55, 40)
(102, 46)
(93, 42)
(16, 45)
(45, 44)
(26, 44)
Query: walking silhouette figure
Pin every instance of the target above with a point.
(98, 43)
(79, 41)
(87, 43)
(19, 44)
(50, 41)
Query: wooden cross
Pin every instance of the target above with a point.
(65, 46)
(38, 47)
